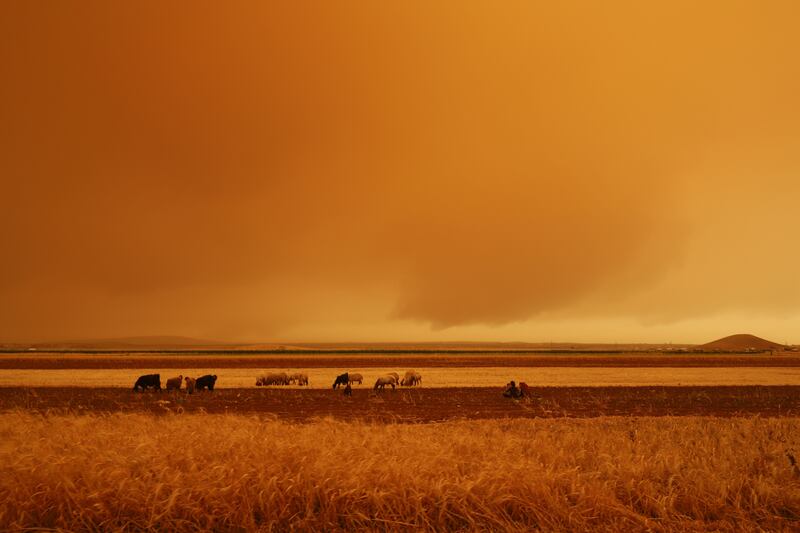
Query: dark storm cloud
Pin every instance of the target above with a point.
(224, 171)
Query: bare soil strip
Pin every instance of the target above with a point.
(420, 405)
(100, 361)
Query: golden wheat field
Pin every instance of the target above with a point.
(235, 472)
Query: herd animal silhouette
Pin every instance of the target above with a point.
(412, 378)
(153, 381)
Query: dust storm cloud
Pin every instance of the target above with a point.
(413, 172)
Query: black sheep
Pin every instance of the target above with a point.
(343, 379)
(206, 382)
(148, 381)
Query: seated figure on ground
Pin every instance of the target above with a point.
(512, 391)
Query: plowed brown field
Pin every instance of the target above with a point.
(421, 405)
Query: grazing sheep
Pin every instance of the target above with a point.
(396, 377)
(272, 379)
(383, 381)
(411, 378)
(206, 382)
(281, 378)
(299, 377)
(190, 384)
(175, 383)
(148, 381)
(354, 376)
(341, 379)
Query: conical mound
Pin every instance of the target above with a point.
(742, 342)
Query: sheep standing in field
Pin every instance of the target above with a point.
(396, 377)
(341, 379)
(206, 382)
(148, 381)
(383, 381)
(355, 377)
(299, 378)
(190, 384)
(411, 378)
(281, 378)
(175, 383)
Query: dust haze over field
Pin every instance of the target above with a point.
(374, 172)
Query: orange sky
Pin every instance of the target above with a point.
(361, 171)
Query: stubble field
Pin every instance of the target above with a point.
(433, 377)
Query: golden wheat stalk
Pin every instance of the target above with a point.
(223, 472)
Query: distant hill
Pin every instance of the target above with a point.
(742, 342)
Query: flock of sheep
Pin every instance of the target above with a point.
(282, 378)
(411, 379)
(153, 381)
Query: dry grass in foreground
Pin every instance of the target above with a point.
(228, 472)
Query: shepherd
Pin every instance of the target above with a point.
(512, 391)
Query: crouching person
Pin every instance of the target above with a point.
(512, 391)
